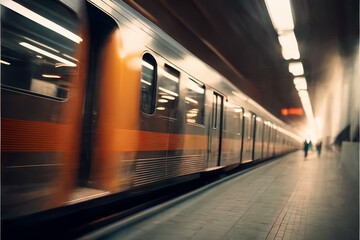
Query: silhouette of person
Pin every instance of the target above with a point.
(318, 148)
(306, 147)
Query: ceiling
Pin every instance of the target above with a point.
(238, 40)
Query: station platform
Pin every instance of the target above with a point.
(290, 197)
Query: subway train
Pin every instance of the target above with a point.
(97, 100)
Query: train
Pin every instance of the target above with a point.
(97, 100)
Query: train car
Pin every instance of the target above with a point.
(96, 100)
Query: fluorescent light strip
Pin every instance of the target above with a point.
(50, 55)
(168, 91)
(51, 76)
(43, 45)
(296, 68)
(300, 83)
(191, 100)
(280, 14)
(5, 62)
(170, 76)
(305, 100)
(290, 54)
(168, 97)
(146, 82)
(65, 55)
(147, 65)
(40, 20)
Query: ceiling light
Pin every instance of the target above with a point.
(300, 83)
(40, 20)
(51, 76)
(168, 91)
(290, 54)
(280, 14)
(5, 62)
(146, 82)
(50, 55)
(147, 65)
(296, 68)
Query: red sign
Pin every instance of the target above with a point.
(292, 111)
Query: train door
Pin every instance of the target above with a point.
(248, 138)
(216, 130)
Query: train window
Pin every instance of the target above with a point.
(214, 117)
(232, 119)
(148, 81)
(194, 102)
(168, 94)
(39, 47)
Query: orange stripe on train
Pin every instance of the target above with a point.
(34, 136)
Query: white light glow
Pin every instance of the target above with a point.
(300, 83)
(305, 101)
(238, 110)
(194, 110)
(258, 119)
(289, 45)
(147, 65)
(247, 115)
(191, 100)
(168, 97)
(168, 91)
(170, 76)
(51, 76)
(288, 40)
(290, 54)
(280, 14)
(192, 85)
(41, 44)
(40, 20)
(163, 100)
(5, 62)
(50, 55)
(72, 58)
(296, 68)
(63, 65)
(160, 108)
(191, 114)
(146, 82)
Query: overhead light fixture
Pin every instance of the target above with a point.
(280, 14)
(296, 68)
(161, 108)
(191, 100)
(300, 83)
(161, 100)
(289, 45)
(170, 76)
(290, 54)
(305, 101)
(168, 97)
(168, 91)
(40, 20)
(147, 65)
(5, 62)
(51, 76)
(146, 82)
(288, 40)
(50, 55)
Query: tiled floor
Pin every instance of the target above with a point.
(288, 198)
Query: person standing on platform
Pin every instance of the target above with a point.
(306, 147)
(318, 148)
